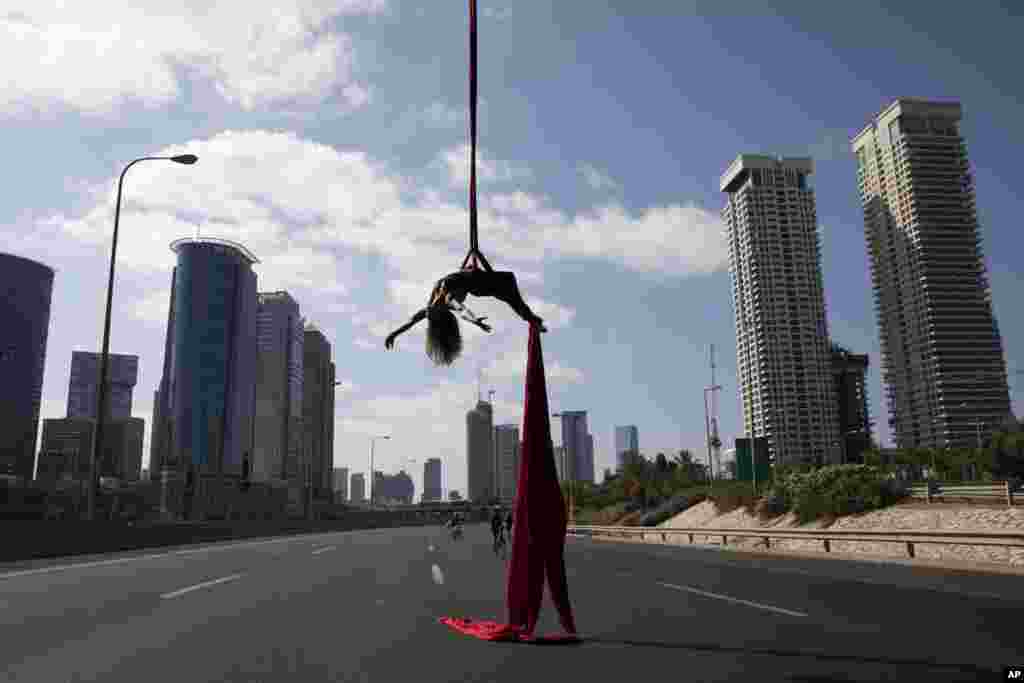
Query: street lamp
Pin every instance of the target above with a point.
(101, 408)
(373, 440)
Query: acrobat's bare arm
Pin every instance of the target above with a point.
(390, 341)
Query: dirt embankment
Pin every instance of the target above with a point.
(907, 516)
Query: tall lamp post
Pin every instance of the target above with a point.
(373, 440)
(101, 408)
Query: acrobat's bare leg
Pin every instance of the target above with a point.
(509, 293)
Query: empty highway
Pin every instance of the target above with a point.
(363, 606)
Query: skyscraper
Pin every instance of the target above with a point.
(432, 479)
(942, 354)
(578, 455)
(25, 291)
(279, 375)
(341, 484)
(506, 452)
(205, 400)
(83, 386)
(358, 488)
(318, 408)
(627, 442)
(480, 452)
(782, 343)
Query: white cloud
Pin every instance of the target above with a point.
(309, 211)
(598, 180)
(439, 114)
(497, 13)
(512, 366)
(95, 56)
(457, 159)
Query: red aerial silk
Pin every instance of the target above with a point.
(539, 518)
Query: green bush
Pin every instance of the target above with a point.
(829, 491)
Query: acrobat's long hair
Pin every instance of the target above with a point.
(444, 339)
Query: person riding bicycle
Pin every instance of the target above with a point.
(508, 525)
(497, 524)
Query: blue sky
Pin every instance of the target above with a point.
(331, 135)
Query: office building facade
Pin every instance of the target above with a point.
(26, 288)
(340, 484)
(279, 393)
(942, 354)
(83, 386)
(432, 480)
(627, 443)
(206, 395)
(782, 345)
(506, 451)
(579, 465)
(480, 452)
(318, 409)
(358, 488)
(849, 373)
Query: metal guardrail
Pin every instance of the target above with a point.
(1003, 539)
(999, 490)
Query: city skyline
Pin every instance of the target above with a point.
(357, 204)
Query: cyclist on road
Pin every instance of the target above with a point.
(497, 522)
(508, 525)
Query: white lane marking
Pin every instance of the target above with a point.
(323, 550)
(430, 548)
(204, 584)
(438, 576)
(151, 556)
(758, 605)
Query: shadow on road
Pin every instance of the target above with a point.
(822, 656)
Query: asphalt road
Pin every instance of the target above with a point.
(363, 606)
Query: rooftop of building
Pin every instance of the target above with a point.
(178, 244)
(25, 259)
(747, 162)
(918, 105)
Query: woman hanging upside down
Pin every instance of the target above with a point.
(444, 341)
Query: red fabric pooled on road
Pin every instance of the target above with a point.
(539, 526)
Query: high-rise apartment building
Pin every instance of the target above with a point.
(83, 386)
(318, 409)
(480, 452)
(849, 373)
(432, 480)
(782, 345)
(277, 449)
(579, 465)
(358, 488)
(942, 354)
(506, 452)
(627, 441)
(26, 288)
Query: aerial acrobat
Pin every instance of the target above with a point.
(476, 277)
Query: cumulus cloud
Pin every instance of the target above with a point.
(597, 179)
(308, 211)
(456, 161)
(96, 56)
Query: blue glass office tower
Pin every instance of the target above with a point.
(25, 291)
(206, 397)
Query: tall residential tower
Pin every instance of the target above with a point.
(782, 342)
(942, 355)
